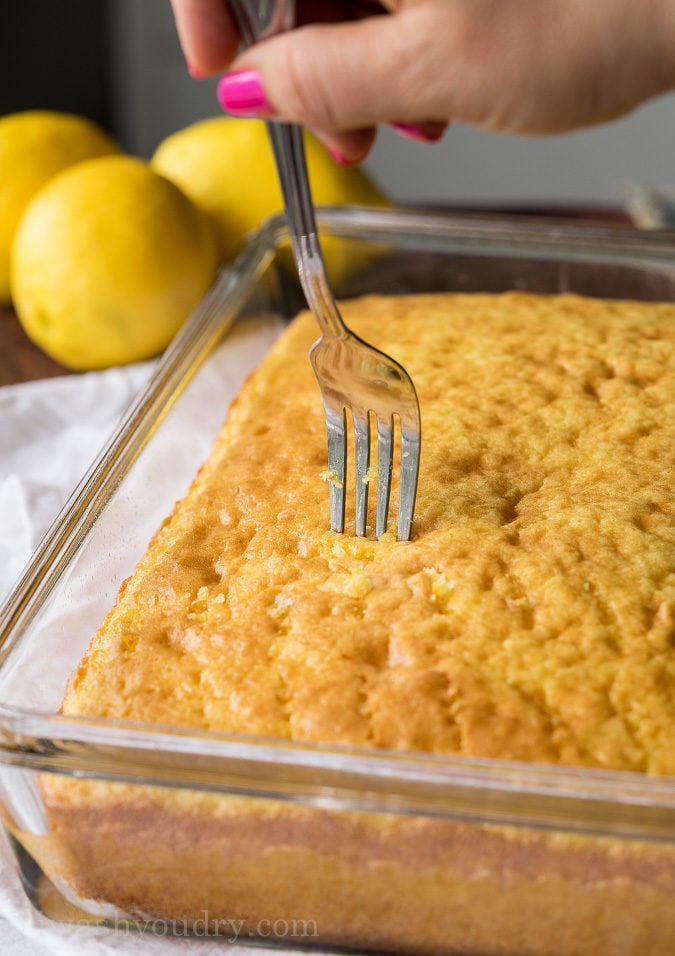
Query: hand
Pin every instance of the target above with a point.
(518, 66)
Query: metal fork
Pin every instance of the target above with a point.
(351, 374)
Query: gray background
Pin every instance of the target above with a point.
(119, 62)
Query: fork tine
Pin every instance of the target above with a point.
(337, 466)
(385, 463)
(410, 464)
(362, 441)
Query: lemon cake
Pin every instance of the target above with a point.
(530, 618)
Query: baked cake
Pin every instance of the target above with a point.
(530, 618)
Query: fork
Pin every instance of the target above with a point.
(351, 374)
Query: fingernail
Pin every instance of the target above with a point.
(339, 158)
(418, 133)
(242, 94)
(195, 73)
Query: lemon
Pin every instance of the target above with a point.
(34, 146)
(226, 166)
(108, 260)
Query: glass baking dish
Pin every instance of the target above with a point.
(167, 830)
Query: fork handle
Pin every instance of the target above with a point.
(289, 153)
(258, 19)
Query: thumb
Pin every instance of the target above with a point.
(335, 77)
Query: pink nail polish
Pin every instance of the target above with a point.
(339, 158)
(418, 133)
(242, 94)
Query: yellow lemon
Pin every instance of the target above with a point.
(227, 167)
(108, 260)
(34, 146)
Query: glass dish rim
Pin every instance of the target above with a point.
(482, 790)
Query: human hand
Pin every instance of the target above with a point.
(518, 66)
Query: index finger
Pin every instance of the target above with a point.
(207, 34)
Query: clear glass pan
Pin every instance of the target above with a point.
(85, 557)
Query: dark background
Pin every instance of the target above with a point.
(117, 62)
(55, 55)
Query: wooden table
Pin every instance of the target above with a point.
(20, 360)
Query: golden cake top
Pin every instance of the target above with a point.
(531, 617)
